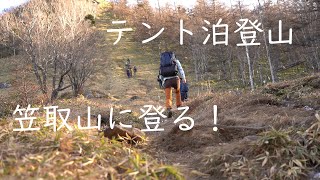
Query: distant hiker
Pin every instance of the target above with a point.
(184, 89)
(169, 77)
(128, 62)
(135, 70)
(128, 68)
(128, 72)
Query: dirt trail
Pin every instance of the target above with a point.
(134, 92)
(112, 79)
(189, 149)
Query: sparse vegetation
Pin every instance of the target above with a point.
(277, 154)
(45, 154)
(61, 51)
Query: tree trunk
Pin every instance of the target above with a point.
(250, 69)
(273, 79)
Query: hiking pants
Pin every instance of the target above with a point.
(169, 84)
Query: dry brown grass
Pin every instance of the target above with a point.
(71, 155)
(277, 154)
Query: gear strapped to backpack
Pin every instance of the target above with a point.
(168, 66)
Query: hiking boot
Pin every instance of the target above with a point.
(169, 112)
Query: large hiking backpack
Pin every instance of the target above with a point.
(168, 66)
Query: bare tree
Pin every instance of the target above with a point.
(248, 57)
(234, 64)
(261, 16)
(52, 33)
(84, 56)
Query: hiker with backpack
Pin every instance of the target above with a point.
(170, 73)
(128, 68)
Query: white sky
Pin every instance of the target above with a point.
(5, 4)
(190, 3)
